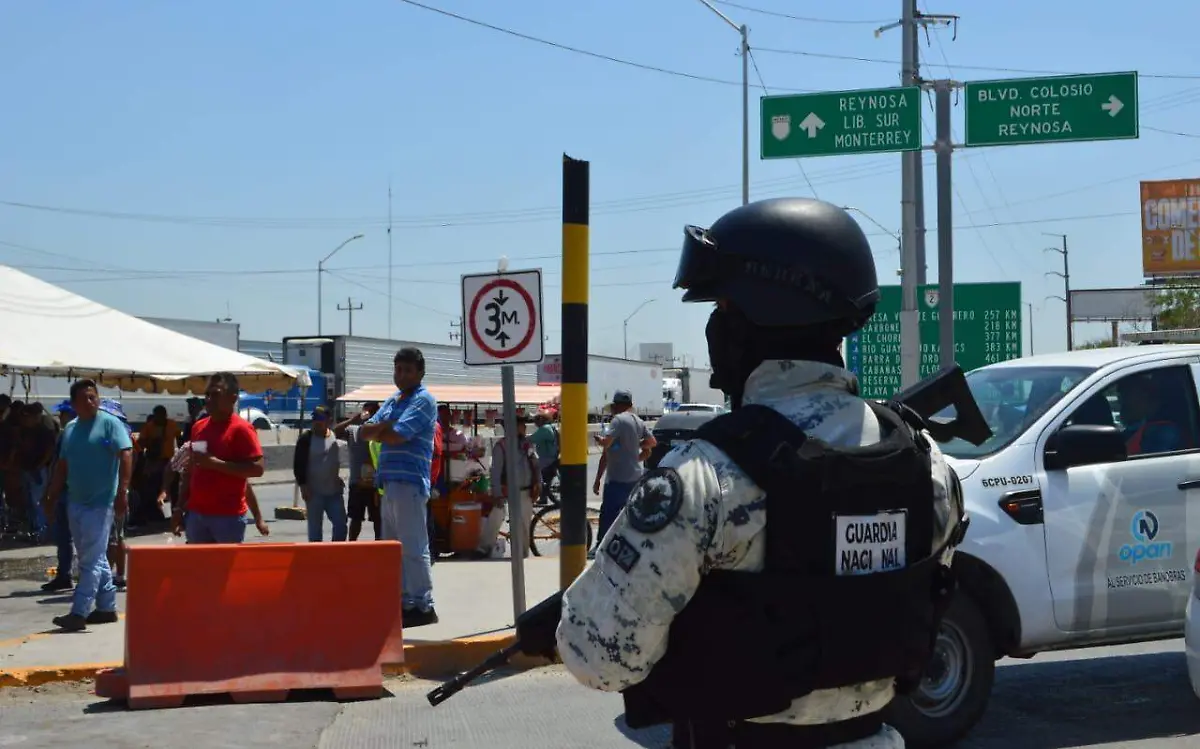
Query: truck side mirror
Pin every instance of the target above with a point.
(1083, 445)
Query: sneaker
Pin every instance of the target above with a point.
(58, 584)
(70, 622)
(102, 617)
(418, 618)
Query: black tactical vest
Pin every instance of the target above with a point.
(749, 643)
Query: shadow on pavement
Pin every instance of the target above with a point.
(1087, 702)
(655, 737)
(296, 696)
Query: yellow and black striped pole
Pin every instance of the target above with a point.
(573, 402)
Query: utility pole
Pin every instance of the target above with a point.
(912, 202)
(389, 237)
(1066, 277)
(350, 309)
(917, 165)
(456, 329)
(944, 147)
(744, 50)
(910, 331)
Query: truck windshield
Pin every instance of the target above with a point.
(1011, 399)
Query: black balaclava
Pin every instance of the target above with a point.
(736, 347)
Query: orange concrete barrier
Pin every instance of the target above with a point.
(258, 620)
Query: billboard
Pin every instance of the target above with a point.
(1106, 305)
(1171, 228)
(659, 353)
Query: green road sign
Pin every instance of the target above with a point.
(841, 122)
(987, 329)
(1052, 110)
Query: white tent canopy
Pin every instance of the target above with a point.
(51, 332)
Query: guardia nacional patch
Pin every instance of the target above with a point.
(655, 500)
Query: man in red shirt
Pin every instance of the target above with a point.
(224, 453)
(435, 473)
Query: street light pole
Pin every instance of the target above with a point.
(745, 50)
(625, 325)
(321, 272)
(745, 114)
(1030, 306)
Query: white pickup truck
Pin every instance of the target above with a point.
(1082, 531)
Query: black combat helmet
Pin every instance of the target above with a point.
(784, 262)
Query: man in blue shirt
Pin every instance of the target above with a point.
(96, 460)
(404, 426)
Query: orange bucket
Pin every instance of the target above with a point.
(465, 521)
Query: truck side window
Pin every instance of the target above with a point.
(1156, 411)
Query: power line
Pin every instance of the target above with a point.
(177, 274)
(805, 19)
(991, 68)
(579, 51)
(657, 201)
(1170, 132)
(979, 183)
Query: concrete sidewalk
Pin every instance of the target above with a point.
(474, 604)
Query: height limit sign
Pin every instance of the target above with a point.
(502, 314)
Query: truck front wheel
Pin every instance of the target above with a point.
(957, 684)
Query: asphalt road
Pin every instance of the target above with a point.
(1129, 696)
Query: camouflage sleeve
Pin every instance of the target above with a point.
(617, 614)
(945, 510)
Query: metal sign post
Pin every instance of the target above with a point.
(502, 314)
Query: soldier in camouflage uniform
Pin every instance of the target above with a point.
(790, 278)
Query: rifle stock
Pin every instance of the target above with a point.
(948, 387)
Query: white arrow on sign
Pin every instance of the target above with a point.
(1113, 106)
(812, 123)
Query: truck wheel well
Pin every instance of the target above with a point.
(990, 592)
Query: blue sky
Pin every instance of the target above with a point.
(202, 157)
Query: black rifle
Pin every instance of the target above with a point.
(933, 395)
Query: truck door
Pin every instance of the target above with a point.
(1119, 538)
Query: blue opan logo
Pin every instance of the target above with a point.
(1144, 528)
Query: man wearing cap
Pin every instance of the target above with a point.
(626, 445)
(317, 468)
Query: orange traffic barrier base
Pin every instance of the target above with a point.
(256, 621)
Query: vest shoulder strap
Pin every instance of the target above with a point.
(761, 441)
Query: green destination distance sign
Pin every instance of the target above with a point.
(841, 122)
(1052, 110)
(987, 329)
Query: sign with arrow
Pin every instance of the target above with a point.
(1052, 109)
(503, 315)
(832, 123)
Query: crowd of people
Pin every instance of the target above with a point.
(84, 476)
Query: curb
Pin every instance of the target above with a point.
(426, 659)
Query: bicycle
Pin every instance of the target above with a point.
(545, 528)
